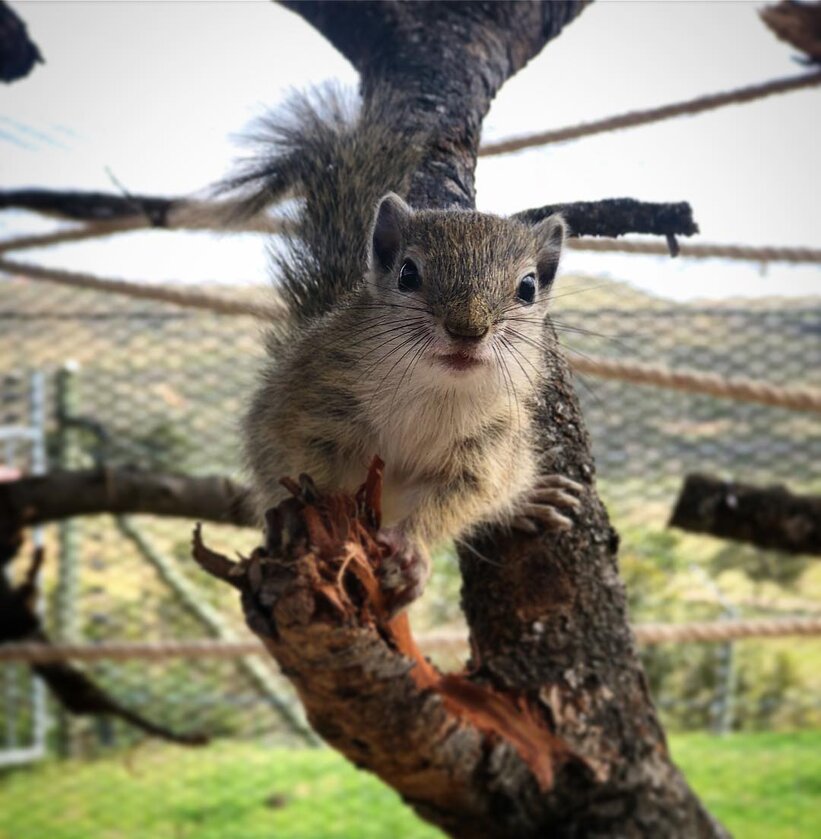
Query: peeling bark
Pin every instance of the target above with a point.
(313, 597)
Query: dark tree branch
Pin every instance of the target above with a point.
(18, 53)
(71, 687)
(618, 216)
(799, 24)
(90, 206)
(770, 517)
(61, 495)
(448, 60)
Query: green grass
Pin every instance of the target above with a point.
(759, 785)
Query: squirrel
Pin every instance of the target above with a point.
(413, 334)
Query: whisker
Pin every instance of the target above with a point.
(551, 297)
(415, 358)
(500, 362)
(408, 340)
(399, 326)
(467, 546)
(516, 352)
(393, 367)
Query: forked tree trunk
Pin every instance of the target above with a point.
(547, 616)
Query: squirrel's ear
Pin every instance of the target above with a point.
(550, 235)
(386, 237)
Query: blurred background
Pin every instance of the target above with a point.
(150, 98)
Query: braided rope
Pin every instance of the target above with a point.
(142, 291)
(743, 390)
(731, 630)
(263, 224)
(39, 653)
(191, 216)
(650, 633)
(634, 118)
(765, 253)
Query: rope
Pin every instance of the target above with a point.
(743, 390)
(634, 118)
(765, 253)
(730, 630)
(142, 291)
(650, 633)
(39, 653)
(199, 216)
(681, 633)
(761, 254)
(73, 234)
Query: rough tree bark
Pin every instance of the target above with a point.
(547, 615)
(768, 517)
(62, 495)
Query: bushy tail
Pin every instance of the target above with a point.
(337, 160)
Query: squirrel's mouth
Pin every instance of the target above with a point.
(459, 361)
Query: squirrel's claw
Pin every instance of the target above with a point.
(551, 492)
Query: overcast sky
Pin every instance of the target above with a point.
(158, 92)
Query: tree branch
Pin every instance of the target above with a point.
(314, 599)
(448, 60)
(618, 216)
(71, 687)
(89, 206)
(61, 495)
(18, 53)
(799, 24)
(770, 517)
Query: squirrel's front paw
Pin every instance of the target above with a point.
(540, 506)
(404, 571)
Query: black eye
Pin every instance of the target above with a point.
(527, 289)
(409, 279)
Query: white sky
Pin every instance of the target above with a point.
(158, 92)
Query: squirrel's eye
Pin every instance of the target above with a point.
(409, 279)
(527, 289)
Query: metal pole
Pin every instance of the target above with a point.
(39, 466)
(66, 620)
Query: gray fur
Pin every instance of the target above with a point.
(365, 368)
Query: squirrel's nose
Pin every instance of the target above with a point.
(466, 330)
(470, 322)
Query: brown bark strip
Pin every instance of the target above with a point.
(768, 517)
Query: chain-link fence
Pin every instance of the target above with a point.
(92, 379)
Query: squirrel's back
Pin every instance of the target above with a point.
(336, 159)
